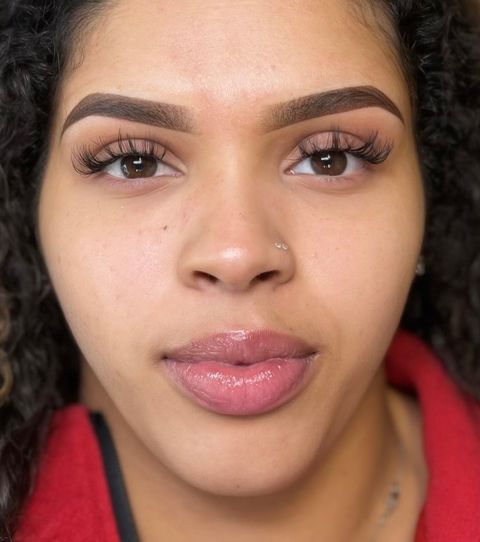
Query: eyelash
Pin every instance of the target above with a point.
(372, 151)
(86, 162)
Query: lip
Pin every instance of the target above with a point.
(242, 347)
(242, 372)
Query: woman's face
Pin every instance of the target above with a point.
(143, 265)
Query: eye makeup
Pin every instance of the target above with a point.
(329, 149)
(373, 149)
(86, 161)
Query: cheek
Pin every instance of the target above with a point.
(112, 274)
(359, 266)
(366, 270)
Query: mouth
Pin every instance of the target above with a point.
(242, 347)
(243, 372)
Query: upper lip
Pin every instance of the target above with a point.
(242, 347)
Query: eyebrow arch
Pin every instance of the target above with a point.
(327, 103)
(163, 115)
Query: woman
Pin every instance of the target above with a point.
(215, 216)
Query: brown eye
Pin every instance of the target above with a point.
(134, 167)
(329, 163)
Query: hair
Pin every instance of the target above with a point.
(438, 43)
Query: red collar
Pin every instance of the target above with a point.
(451, 439)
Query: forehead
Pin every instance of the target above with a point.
(225, 56)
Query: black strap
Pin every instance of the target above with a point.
(118, 492)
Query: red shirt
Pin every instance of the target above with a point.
(71, 500)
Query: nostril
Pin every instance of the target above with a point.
(210, 279)
(266, 275)
(205, 276)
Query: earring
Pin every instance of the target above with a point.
(420, 269)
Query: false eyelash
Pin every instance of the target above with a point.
(372, 150)
(86, 161)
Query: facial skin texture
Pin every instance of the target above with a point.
(129, 265)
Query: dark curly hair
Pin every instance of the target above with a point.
(438, 44)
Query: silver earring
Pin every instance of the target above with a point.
(420, 269)
(281, 245)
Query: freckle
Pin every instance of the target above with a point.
(165, 227)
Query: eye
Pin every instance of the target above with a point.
(339, 155)
(138, 167)
(125, 159)
(328, 163)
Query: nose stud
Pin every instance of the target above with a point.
(280, 245)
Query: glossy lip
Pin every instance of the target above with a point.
(242, 347)
(243, 372)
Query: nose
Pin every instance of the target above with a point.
(235, 245)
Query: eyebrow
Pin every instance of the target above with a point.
(180, 118)
(327, 103)
(163, 115)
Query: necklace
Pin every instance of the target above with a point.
(393, 496)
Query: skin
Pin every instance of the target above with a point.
(130, 267)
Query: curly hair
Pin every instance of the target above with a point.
(438, 42)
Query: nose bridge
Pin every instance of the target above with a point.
(233, 238)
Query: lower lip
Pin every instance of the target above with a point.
(240, 389)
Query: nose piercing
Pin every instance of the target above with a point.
(281, 246)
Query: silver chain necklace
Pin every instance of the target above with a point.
(393, 497)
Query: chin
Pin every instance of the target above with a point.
(223, 477)
(244, 484)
